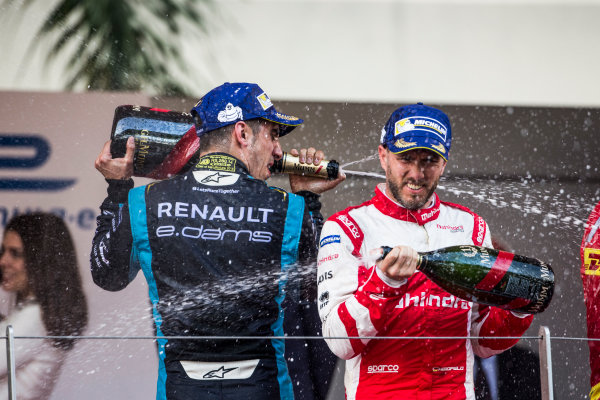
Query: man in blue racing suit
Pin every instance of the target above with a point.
(222, 252)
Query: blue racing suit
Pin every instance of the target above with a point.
(223, 255)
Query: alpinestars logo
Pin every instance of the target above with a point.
(214, 178)
(218, 374)
(218, 178)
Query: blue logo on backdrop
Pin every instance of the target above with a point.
(41, 151)
(329, 239)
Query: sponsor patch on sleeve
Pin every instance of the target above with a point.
(329, 239)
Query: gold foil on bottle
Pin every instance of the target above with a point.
(291, 165)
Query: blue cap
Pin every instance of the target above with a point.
(233, 102)
(418, 126)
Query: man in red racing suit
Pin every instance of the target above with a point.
(590, 275)
(361, 298)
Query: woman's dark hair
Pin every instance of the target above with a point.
(53, 274)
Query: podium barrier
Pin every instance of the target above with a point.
(544, 338)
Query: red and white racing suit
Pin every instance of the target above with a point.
(590, 275)
(357, 299)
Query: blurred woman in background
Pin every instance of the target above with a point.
(39, 265)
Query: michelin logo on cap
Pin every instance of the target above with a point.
(230, 113)
(424, 123)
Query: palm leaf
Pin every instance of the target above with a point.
(121, 44)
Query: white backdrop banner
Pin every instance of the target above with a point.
(48, 144)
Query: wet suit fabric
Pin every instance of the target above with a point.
(358, 303)
(223, 255)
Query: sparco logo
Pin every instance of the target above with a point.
(383, 369)
(480, 230)
(353, 229)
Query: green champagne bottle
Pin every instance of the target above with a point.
(488, 276)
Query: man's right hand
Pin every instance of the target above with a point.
(400, 263)
(311, 183)
(116, 168)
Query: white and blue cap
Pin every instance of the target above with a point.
(418, 126)
(233, 102)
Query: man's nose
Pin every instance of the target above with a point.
(416, 170)
(277, 152)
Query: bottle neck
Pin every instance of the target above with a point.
(290, 164)
(422, 261)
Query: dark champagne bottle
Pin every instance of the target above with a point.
(165, 141)
(488, 276)
(290, 164)
(166, 144)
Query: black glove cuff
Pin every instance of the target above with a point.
(311, 199)
(118, 189)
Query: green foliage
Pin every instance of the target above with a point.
(122, 45)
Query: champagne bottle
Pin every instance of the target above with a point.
(166, 144)
(488, 276)
(165, 141)
(290, 164)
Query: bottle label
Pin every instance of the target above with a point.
(496, 277)
(498, 270)
(292, 165)
(160, 150)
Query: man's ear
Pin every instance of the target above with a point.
(443, 167)
(242, 134)
(382, 157)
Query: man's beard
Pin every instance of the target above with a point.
(412, 204)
